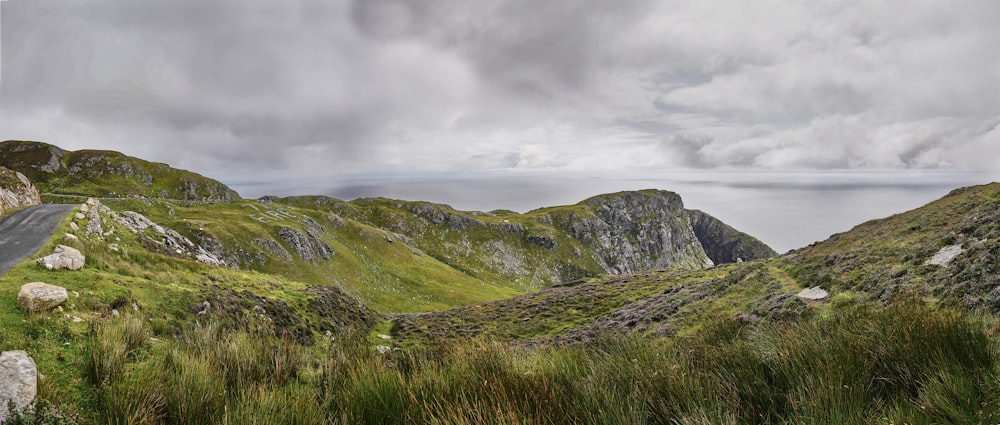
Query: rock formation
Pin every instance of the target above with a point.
(38, 296)
(63, 257)
(16, 191)
(724, 244)
(635, 231)
(18, 380)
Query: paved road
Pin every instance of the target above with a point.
(23, 233)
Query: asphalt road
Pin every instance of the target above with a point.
(24, 232)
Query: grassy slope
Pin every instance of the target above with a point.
(879, 261)
(104, 173)
(369, 264)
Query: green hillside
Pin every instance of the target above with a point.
(623, 308)
(106, 173)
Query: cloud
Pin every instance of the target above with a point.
(316, 88)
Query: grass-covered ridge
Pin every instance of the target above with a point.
(106, 173)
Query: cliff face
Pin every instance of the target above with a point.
(636, 231)
(107, 173)
(16, 191)
(724, 244)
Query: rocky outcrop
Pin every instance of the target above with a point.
(63, 257)
(38, 296)
(274, 248)
(635, 231)
(724, 244)
(18, 380)
(167, 241)
(16, 191)
(309, 247)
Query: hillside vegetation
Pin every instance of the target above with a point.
(614, 310)
(106, 173)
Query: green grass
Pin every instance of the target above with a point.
(909, 363)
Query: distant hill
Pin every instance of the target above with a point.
(944, 253)
(107, 173)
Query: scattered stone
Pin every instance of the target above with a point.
(383, 349)
(384, 336)
(18, 380)
(74, 226)
(73, 318)
(813, 294)
(259, 310)
(63, 257)
(84, 208)
(945, 255)
(69, 237)
(92, 202)
(202, 309)
(115, 313)
(80, 216)
(39, 296)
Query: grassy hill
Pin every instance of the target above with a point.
(317, 310)
(106, 173)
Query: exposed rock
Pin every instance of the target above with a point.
(63, 257)
(94, 219)
(18, 380)
(724, 244)
(69, 237)
(38, 296)
(635, 231)
(274, 248)
(16, 191)
(308, 247)
(813, 294)
(74, 226)
(945, 255)
(545, 241)
(79, 216)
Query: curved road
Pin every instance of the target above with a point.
(24, 232)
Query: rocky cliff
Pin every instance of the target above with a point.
(107, 173)
(636, 231)
(724, 244)
(16, 191)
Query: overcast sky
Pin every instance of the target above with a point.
(803, 107)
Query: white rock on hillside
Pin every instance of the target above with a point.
(63, 257)
(814, 293)
(18, 379)
(39, 296)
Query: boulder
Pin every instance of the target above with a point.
(63, 257)
(39, 296)
(813, 294)
(18, 379)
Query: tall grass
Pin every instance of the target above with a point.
(904, 364)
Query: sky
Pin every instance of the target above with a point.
(788, 119)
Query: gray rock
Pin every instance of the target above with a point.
(38, 296)
(18, 380)
(94, 219)
(274, 248)
(74, 226)
(813, 294)
(635, 231)
(69, 237)
(63, 257)
(80, 216)
(308, 247)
